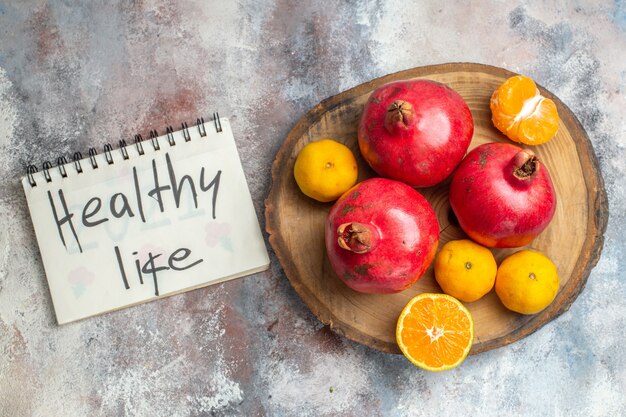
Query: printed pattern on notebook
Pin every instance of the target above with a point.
(150, 219)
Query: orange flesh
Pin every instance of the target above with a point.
(522, 113)
(435, 333)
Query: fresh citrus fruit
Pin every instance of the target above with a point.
(527, 282)
(465, 270)
(435, 331)
(325, 169)
(520, 112)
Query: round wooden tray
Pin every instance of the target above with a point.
(295, 222)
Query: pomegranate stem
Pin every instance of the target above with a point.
(355, 237)
(399, 114)
(525, 164)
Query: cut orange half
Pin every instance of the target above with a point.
(435, 332)
(520, 112)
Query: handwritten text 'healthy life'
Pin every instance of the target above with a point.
(120, 206)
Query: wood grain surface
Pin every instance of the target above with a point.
(573, 240)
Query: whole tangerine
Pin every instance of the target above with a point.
(325, 169)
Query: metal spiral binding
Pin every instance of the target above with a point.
(92, 158)
(77, 157)
(154, 138)
(218, 122)
(62, 161)
(201, 129)
(107, 153)
(46, 171)
(30, 170)
(123, 149)
(138, 144)
(186, 134)
(170, 135)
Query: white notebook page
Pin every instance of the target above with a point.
(115, 236)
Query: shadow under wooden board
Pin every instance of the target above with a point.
(295, 223)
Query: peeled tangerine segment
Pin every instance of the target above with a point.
(514, 92)
(522, 113)
(541, 126)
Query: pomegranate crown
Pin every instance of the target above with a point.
(399, 115)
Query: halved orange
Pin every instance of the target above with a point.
(520, 112)
(435, 331)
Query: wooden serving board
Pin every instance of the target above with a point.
(295, 223)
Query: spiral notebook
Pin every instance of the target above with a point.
(143, 221)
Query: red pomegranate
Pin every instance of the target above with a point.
(381, 236)
(502, 195)
(415, 131)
